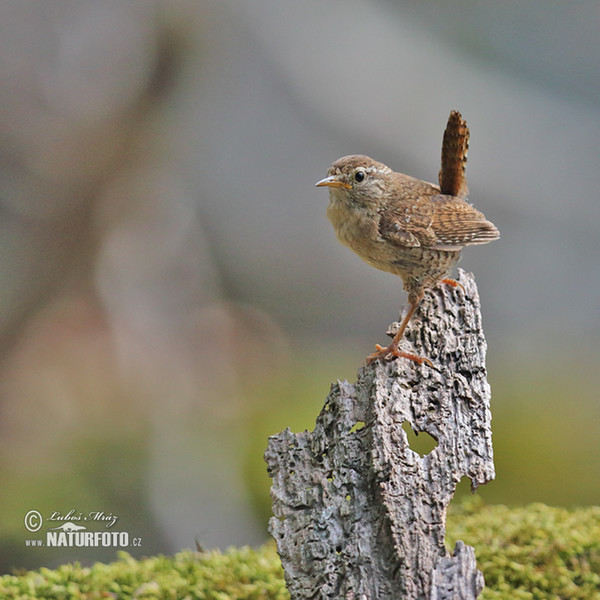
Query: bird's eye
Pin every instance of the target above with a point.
(359, 176)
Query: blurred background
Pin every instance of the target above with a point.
(172, 292)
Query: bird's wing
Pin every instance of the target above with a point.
(407, 225)
(455, 223)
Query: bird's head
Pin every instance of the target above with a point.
(357, 179)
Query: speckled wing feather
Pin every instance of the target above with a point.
(455, 223)
(455, 145)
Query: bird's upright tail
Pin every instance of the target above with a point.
(452, 176)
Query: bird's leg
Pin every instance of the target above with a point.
(392, 350)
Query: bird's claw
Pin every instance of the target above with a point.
(391, 352)
(453, 283)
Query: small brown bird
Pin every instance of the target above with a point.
(406, 226)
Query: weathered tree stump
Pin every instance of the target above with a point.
(359, 514)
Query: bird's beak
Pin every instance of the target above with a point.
(333, 182)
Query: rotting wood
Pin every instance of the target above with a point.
(358, 514)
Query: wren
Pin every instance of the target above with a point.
(406, 226)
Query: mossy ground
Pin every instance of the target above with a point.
(532, 553)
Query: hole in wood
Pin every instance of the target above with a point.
(419, 441)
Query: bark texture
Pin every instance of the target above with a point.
(358, 514)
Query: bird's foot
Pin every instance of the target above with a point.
(390, 352)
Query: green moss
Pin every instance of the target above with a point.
(535, 552)
(233, 575)
(531, 553)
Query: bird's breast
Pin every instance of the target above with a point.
(358, 229)
(355, 227)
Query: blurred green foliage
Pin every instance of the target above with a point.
(530, 553)
(96, 469)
